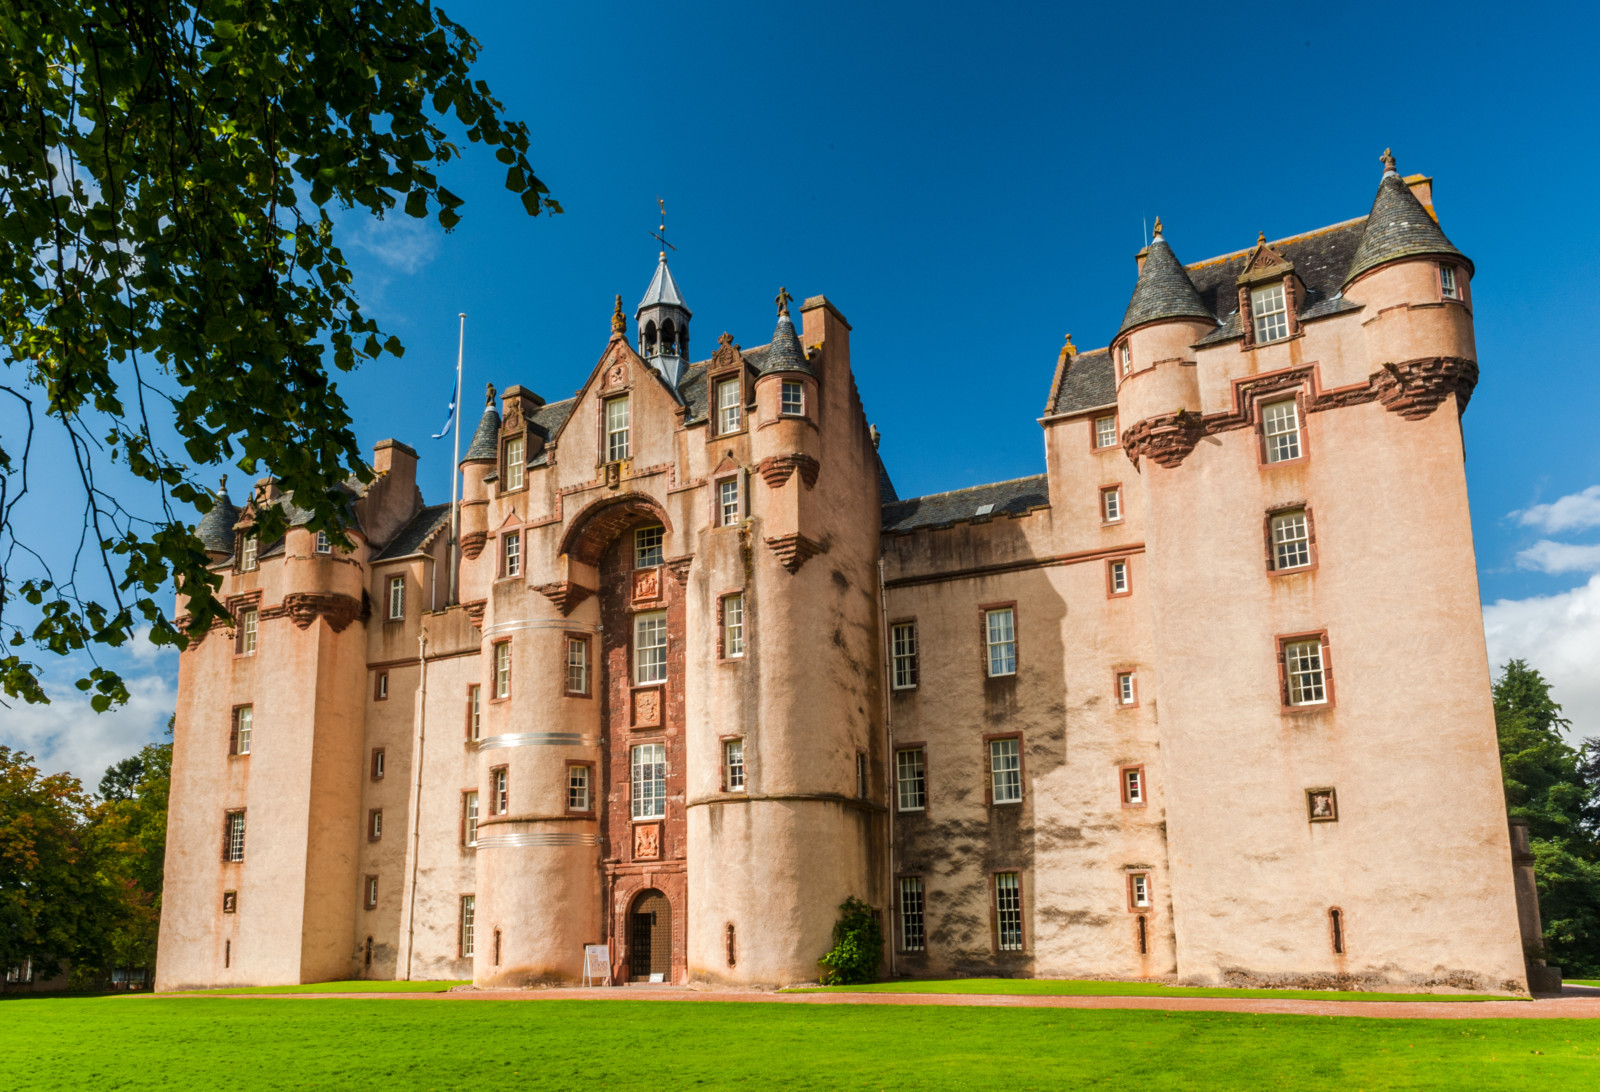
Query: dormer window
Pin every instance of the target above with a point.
(249, 553)
(1270, 313)
(516, 461)
(1125, 358)
(617, 446)
(729, 410)
(1448, 286)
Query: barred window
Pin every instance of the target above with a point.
(469, 910)
(1280, 428)
(616, 429)
(243, 722)
(577, 788)
(794, 399)
(649, 781)
(323, 545)
(1291, 540)
(903, 642)
(577, 665)
(912, 937)
(1139, 889)
(247, 622)
(249, 553)
(1127, 692)
(728, 502)
(502, 669)
(233, 839)
(469, 818)
(1008, 911)
(728, 407)
(1133, 785)
(1448, 287)
(650, 647)
(1111, 505)
(1105, 431)
(1270, 313)
(502, 792)
(911, 779)
(475, 712)
(512, 554)
(1307, 678)
(1001, 634)
(516, 461)
(733, 765)
(647, 547)
(733, 626)
(397, 597)
(1005, 770)
(1119, 577)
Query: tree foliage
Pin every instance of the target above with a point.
(857, 950)
(169, 175)
(1555, 788)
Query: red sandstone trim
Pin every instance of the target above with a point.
(1122, 787)
(1283, 640)
(980, 571)
(581, 813)
(1127, 576)
(1117, 671)
(1149, 891)
(1311, 539)
(988, 771)
(1093, 419)
(1016, 637)
(1113, 487)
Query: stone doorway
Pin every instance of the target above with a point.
(650, 938)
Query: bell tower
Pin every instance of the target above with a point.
(663, 317)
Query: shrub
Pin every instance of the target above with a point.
(857, 945)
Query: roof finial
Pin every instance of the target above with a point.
(1388, 163)
(1068, 351)
(782, 300)
(1158, 230)
(619, 321)
(660, 234)
(488, 395)
(1261, 238)
(222, 487)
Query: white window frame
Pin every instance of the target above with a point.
(243, 725)
(1139, 890)
(1133, 785)
(372, 893)
(733, 768)
(649, 546)
(1127, 688)
(469, 913)
(792, 406)
(733, 626)
(1269, 312)
(578, 665)
(233, 847)
(250, 553)
(1005, 770)
(502, 669)
(511, 554)
(911, 779)
(500, 801)
(1126, 354)
(1291, 540)
(913, 925)
(475, 712)
(1008, 911)
(516, 463)
(1449, 282)
(1306, 671)
(1111, 504)
(375, 824)
(730, 406)
(729, 508)
(323, 544)
(618, 437)
(1105, 431)
(647, 765)
(649, 647)
(578, 788)
(1280, 430)
(1000, 634)
(469, 806)
(397, 598)
(1119, 577)
(903, 655)
(249, 623)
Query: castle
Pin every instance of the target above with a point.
(1208, 700)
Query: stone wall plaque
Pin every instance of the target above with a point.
(647, 708)
(647, 842)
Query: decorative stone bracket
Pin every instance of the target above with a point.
(564, 594)
(794, 550)
(338, 611)
(472, 544)
(777, 469)
(679, 567)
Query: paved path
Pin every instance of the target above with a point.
(1575, 1002)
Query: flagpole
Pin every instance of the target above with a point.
(455, 474)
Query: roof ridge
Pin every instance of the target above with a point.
(969, 488)
(1275, 242)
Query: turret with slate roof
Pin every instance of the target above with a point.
(485, 446)
(785, 354)
(1398, 227)
(1163, 290)
(215, 530)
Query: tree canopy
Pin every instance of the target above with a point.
(172, 292)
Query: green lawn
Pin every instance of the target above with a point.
(356, 986)
(131, 1043)
(1056, 987)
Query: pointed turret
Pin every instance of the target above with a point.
(485, 446)
(785, 355)
(215, 529)
(1164, 290)
(1398, 227)
(663, 321)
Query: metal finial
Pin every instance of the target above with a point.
(1387, 158)
(619, 321)
(782, 300)
(660, 234)
(222, 487)
(488, 394)
(1158, 228)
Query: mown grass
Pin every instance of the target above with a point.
(1094, 988)
(134, 1043)
(353, 986)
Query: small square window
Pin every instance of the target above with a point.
(729, 408)
(1270, 313)
(578, 788)
(1280, 430)
(578, 666)
(247, 619)
(728, 502)
(733, 626)
(1133, 785)
(511, 555)
(911, 779)
(1111, 504)
(912, 935)
(647, 546)
(903, 650)
(616, 424)
(1005, 770)
(1307, 675)
(1448, 288)
(1127, 688)
(733, 765)
(502, 669)
(378, 763)
(516, 463)
(649, 647)
(1105, 431)
(1117, 576)
(397, 597)
(794, 399)
(1291, 540)
(1001, 635)
(323, 545)
(1008, 912)
(243, 725)
(1139, 890)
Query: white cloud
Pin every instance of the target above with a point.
(142, 651)
(67, 736)
(1558, 635)
(402, 243)
(1572, 512)
(1559, 557)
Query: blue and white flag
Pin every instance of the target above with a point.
(450, 415)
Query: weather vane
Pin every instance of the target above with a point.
(660, 235)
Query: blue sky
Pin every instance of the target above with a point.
(969, 183)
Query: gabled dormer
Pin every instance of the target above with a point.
(1271, 295)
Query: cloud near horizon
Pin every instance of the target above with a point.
(1573, 512)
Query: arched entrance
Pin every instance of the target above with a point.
(650, 938)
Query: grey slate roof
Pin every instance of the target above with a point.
(1090, 382)
(785, 354)
(663, 290)
(1163, 291)
(548, 420)
(1320, 259)
(415, 535)
(1011, 498)
(215, 529)
(486, 441)
(692, 387)
(886, 493)
(1397, 227)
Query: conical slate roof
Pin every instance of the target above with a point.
(486, 441)
(785, 355)
(663, 290)
(1397, 227)
(215, 529)
(1163, 291)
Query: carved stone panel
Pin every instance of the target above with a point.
(647, 708)
(646, 584)
(647, 842)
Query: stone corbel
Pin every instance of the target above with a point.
(472, 544)
(794, 550)
(1418, 387)
(564, 594)
(777, 469)
(679, 567)
(475, 612)
(304, 608)
(1166, 439)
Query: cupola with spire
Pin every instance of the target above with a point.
(1163, 290)
(663, 318)
(1398, 227)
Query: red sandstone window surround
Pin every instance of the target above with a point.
(999, 630)
(1103, 432)
(1111, 503)
(649, 647)
(246, 622)
(1305, 671)
(580, 788)
(615, 430)
(1280, 419)
(911, 777)
(474, 712)
(728, 409)
(502, 670)
(397, 598)
(380, 686)
(1291, 539)
(500, 799)
(370, 893)
(577, 665)
(730, 626)
(1125, 687)
(1005, 911)
(374, 824)
(733, 767)
(249, 552)
(377, 763)
(469, 817)
(1133, 786)
(1140, 895)
(792, 399)
(729, 499)
(513, 472)
(648, 546)
(511, 554)
(903, 654)
(469, 913)
(1003, 776)
(243, 726)
(1119, 578)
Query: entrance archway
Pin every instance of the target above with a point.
(650, 938)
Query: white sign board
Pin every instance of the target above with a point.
(596, 964)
